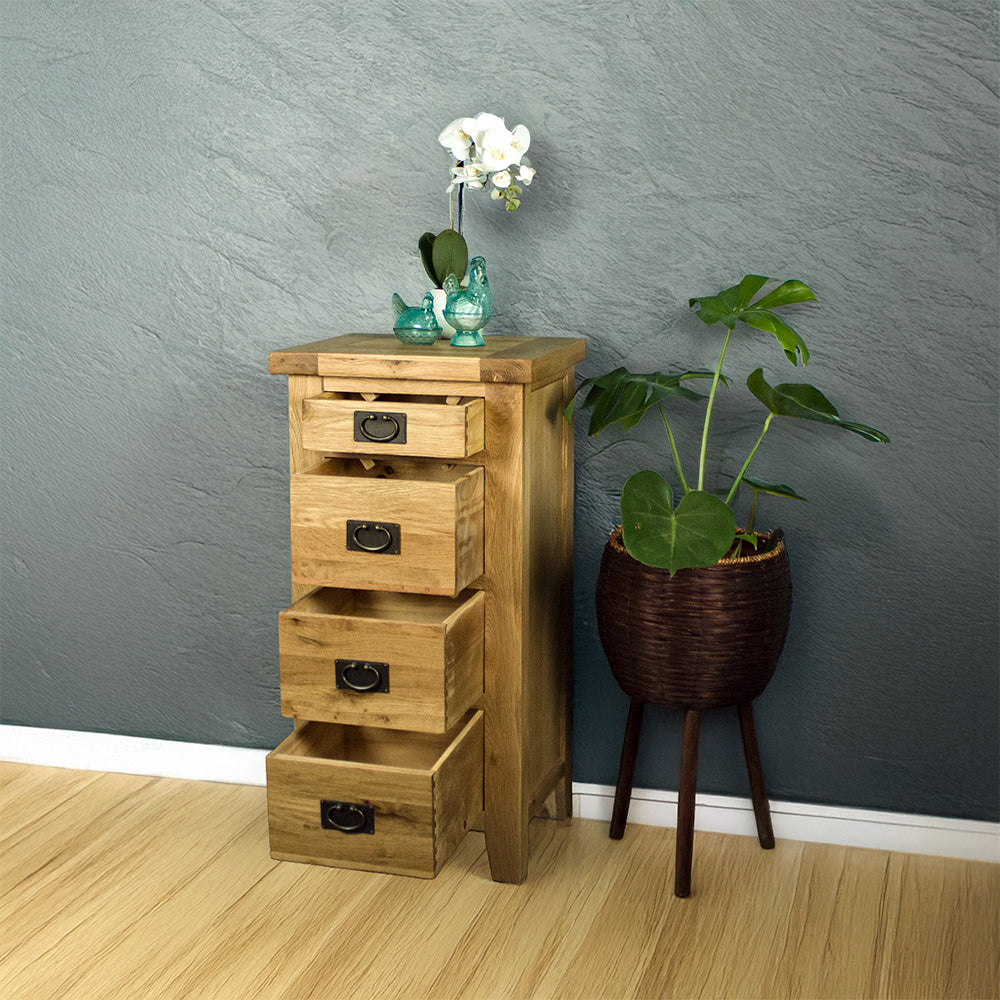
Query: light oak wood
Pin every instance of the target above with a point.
(439, 510)
(502, 359)
(432, 648)
(374, 388)
(546, 678)
(509, 396)
(433, 428)
(426, 792)
(300, 459)
(118, 886)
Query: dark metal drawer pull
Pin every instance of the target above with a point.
(347, 817)
(363, 676)
(373, 536)
(382, 428)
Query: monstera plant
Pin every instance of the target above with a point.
(692, 611)
(700, 528)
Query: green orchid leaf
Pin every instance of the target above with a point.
(698, 533)
(752, 540)
(733, 305)
(805, 402)
(623, 397)
(426, 246)
(450, 255)
(773, 489)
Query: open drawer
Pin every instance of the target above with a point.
(409, 526)
(428, 426)
(374, 799)
(381, 659)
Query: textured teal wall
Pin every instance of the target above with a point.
(189, 185)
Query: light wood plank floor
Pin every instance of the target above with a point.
(132, 888)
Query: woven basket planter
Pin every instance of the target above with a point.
(704, 638)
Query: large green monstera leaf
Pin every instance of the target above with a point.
(806, 402)
(734, 305)
(698, 532)
(623, 397)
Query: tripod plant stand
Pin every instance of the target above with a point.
(703, 638)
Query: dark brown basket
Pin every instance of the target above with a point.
(703, 638)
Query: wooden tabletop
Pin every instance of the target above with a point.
(503, 359)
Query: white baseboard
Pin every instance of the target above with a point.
(132, 755)
(886, 831)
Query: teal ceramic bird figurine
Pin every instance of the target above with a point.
(415, 324)
(469, 309)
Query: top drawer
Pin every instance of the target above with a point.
(403, 425)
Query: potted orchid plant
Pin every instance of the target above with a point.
(486, 154)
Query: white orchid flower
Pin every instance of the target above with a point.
(486, 151)
(471, 174)
(456, 139)
(521, 140)
(478, 127)
(497, 150)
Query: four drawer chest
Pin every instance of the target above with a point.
(426, 658)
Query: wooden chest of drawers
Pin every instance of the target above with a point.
(426, 659)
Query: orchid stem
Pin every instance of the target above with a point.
(746, 464)
(708, 412)
(673, 448)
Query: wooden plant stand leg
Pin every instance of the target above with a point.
(685, 803)
(758, 794)
(623, 791)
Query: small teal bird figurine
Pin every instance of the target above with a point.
(469, 309)
(415, 324)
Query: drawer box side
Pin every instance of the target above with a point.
(458, 791)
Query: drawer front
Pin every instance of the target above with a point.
(417, 529)
(381, 659)
(435, 429)
(374, 799)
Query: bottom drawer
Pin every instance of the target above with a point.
(376, 799)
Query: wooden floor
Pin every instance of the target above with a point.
(132, 888)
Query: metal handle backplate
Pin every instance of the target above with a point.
(347, 817)
(380, 427)
(373, 536)
(362, 676)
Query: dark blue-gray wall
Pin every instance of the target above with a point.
(189, 185)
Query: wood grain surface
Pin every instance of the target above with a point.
(117, 886)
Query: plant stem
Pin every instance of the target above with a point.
(708, 412)
(746, 464)
(673, 448)
(753, 512)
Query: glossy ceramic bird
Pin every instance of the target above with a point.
(415, 324)
(469, 309)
